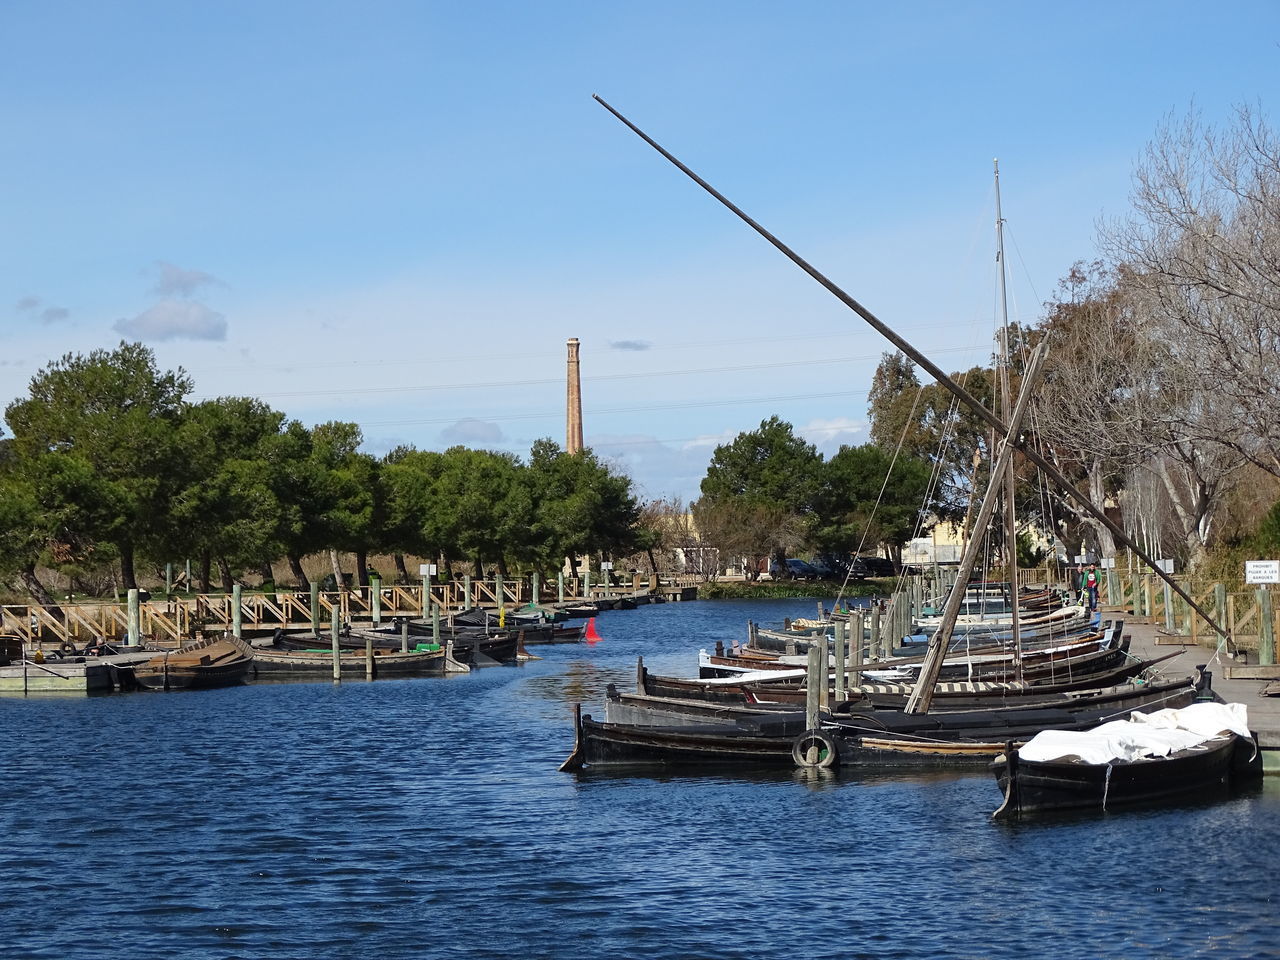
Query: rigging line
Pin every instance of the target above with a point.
(598, 378)
(604, 411)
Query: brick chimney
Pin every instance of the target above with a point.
(573, 419)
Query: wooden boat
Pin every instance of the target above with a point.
(275, 663)
(1127, 763)
(216, 662)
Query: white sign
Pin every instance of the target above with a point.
(1108, 563)
(1262, 571)
(426, 569)
(1165, 565)
(1082, 559)
(606, 565)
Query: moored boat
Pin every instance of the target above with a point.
(216, 662)
(1199, 749)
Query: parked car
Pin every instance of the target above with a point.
(793, 569)
(860, 568)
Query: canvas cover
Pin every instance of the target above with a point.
(1143, 735)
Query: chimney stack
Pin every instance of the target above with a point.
(573, 441)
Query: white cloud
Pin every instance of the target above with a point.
(829, 435)
(471, 432)
(179, 282)
(175, 320)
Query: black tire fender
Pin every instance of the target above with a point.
(815, 748)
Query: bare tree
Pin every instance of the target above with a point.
(1203, 250)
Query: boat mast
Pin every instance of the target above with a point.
(1010, 516)
(922, 361)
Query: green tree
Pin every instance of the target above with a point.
(768, 474)
(868, 497)
(119, 415)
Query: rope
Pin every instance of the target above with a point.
(1106, 788)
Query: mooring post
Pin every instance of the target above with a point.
(425, 606)
(315, 608)
(811, 689)
(840, 630)
(855, 652)
(586, 582)
(824, 672)
(188, 584)
(535, 588)
(135, 630)
(1267, 627)
(466, 592)
(375, 600)
(404, 635)
(435, 625)
(560, 586)
(368, 657)
(875, 631)
(1220, 602)
(337, 654)
(168, 579)
(498, 593)
(237, 611)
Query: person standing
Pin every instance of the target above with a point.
(1090, 584)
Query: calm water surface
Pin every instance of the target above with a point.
(426, 818)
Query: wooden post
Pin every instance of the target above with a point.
(856, 642)
(237, 611)
(1231, 616)
(875, 632)
(435, 625)
(315, 608)
(635, 583)
(824, 671)
(425, 606)
(560, 586)
(1168, 609)
(368, 657)
(337, 652)
(840, 632)
(1266, 628)
(404, 635)
(189, 587)
(499, 596)
(375, 600)
(811, 689)
(1220, 604)
(586, 583)
(168, 579)
(135, 630)
(535, 588)
(466, 592)
(1149, 595)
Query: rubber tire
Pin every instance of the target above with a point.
(828, 752)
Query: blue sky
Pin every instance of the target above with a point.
(397, 213)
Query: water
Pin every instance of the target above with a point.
(426, 818)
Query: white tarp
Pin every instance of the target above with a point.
(1144, 735)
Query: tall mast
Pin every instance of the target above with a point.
(1010, 517)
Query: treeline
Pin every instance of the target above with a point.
(108, 465)
(1160, 397)
(769, 493)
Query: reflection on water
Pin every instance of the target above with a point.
(426, 818)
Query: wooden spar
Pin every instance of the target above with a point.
(934, 371)
(922, 695)
(1010, 515)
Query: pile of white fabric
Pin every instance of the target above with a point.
(1143, 735)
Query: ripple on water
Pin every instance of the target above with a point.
(426, 818)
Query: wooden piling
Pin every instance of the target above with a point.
(811, 689)
(560, 586)
(404, 635)
(315, 608)
(368, 657)
(237, 611)
(134, 628)
(466, 592)
(1267, 627)
(375, 600)
(840, 632)
(875, 632)
(337, 651)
